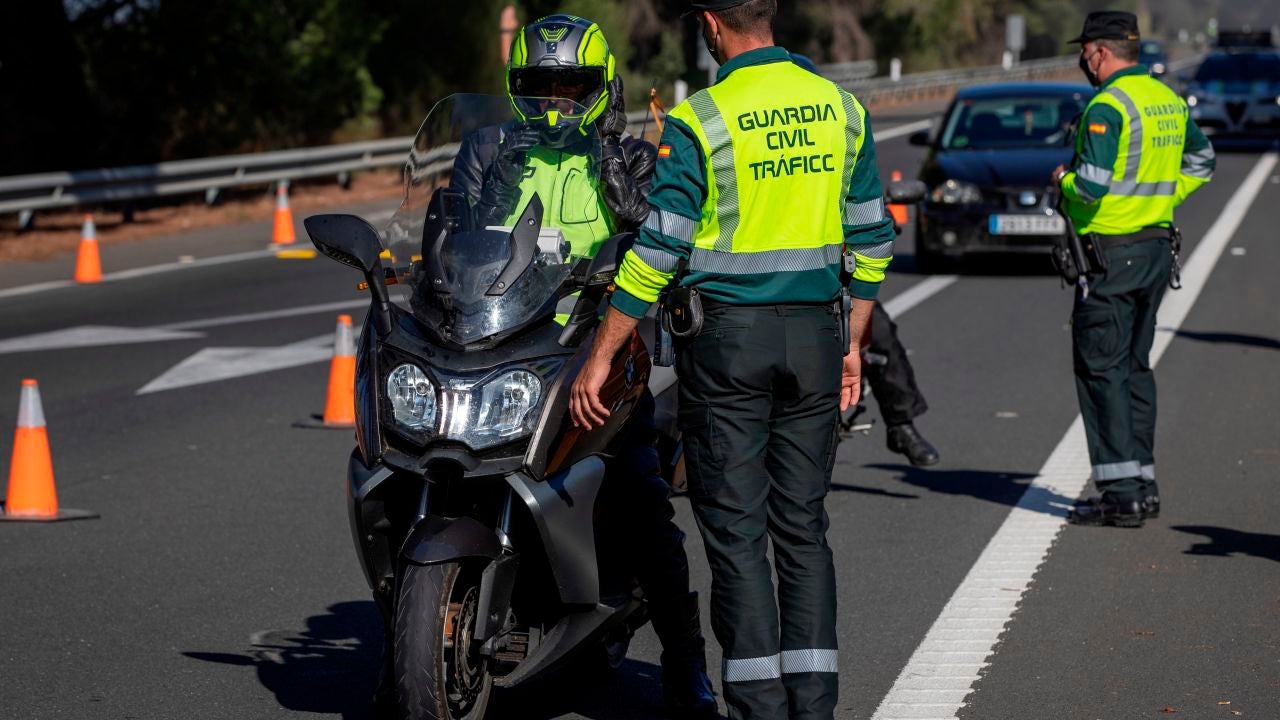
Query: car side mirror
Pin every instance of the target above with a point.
(919, 137)
(906, 192)
(352, 241)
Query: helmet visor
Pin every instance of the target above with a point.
(535, 89)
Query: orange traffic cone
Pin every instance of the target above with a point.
(88, 264)
(898, 210)
(340, 405)
(32, 496)
(283, 232)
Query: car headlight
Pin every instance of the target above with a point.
(954, 192)
(1278, 99)
(413, 397)
(1192, 101)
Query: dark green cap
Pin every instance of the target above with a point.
(1109, 25)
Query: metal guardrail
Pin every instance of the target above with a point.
(848, 72)
(26, 194)
(925, 84)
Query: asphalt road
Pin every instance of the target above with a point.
(220, 581)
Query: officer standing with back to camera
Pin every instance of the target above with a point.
(767, 213)
(1138, 156)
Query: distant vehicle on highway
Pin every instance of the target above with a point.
(988, 169)
(1237, 94)
(1245, 39)
(1153, 56)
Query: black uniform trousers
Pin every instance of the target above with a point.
(759, 405)
(1112, 332)
(894, 383)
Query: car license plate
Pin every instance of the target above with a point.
(1027, 225)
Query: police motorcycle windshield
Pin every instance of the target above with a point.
(464, 285)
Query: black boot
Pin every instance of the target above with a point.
(1151, 500)
(1115, 509)
(686, 688)
(906, 440)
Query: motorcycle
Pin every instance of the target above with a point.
(472, 498)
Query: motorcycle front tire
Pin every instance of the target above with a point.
(431, 612)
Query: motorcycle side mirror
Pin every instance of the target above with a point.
(919, 137)
(906, 192)
(352, 241)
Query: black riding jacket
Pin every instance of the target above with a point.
(626, 173)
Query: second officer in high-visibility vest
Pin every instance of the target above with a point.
(767, 210)
(1138, 156)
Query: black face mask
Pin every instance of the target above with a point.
(710, 42)
(1088, 74)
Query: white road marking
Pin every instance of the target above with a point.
(266, 315)
(38, 287)
(214, 364)
(900, 130)
(202, 262)
(99, 335)
(918, 293)
(949, 661)
(91, 336)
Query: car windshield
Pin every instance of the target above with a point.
(1236, 73)
(1040, 121)
(446, 263)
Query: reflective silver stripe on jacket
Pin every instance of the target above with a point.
(879, 251)
(1094, 174)
(1130, 187)
(1148, 472)
(1198, 164)
(852, 130)
(864, 213)
(722, 164)
(810, 661)
(750, 669)
(767, 261)
(1117, 471)
(673, 225)
(659, 260)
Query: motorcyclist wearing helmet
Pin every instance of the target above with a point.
(567, 96)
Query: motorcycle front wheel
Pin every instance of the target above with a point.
(438, 675)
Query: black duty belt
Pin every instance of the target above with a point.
(709, 304)
(1106, 242)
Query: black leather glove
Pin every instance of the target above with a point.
(613, 123)
(501, 187)
(626, 182)
(508, 168)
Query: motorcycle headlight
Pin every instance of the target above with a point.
(954, 192)
(413, 397)
(487, 412)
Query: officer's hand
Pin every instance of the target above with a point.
(584, 398)
(851, 379)
(1057, 174)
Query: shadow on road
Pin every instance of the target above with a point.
(330, 667)
(633, 693)
(1003, 488)
(1231, 338)
(1225, 542)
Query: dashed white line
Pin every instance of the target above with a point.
(1034, 524)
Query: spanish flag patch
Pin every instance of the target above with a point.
(1098, 128)
(664, 151)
